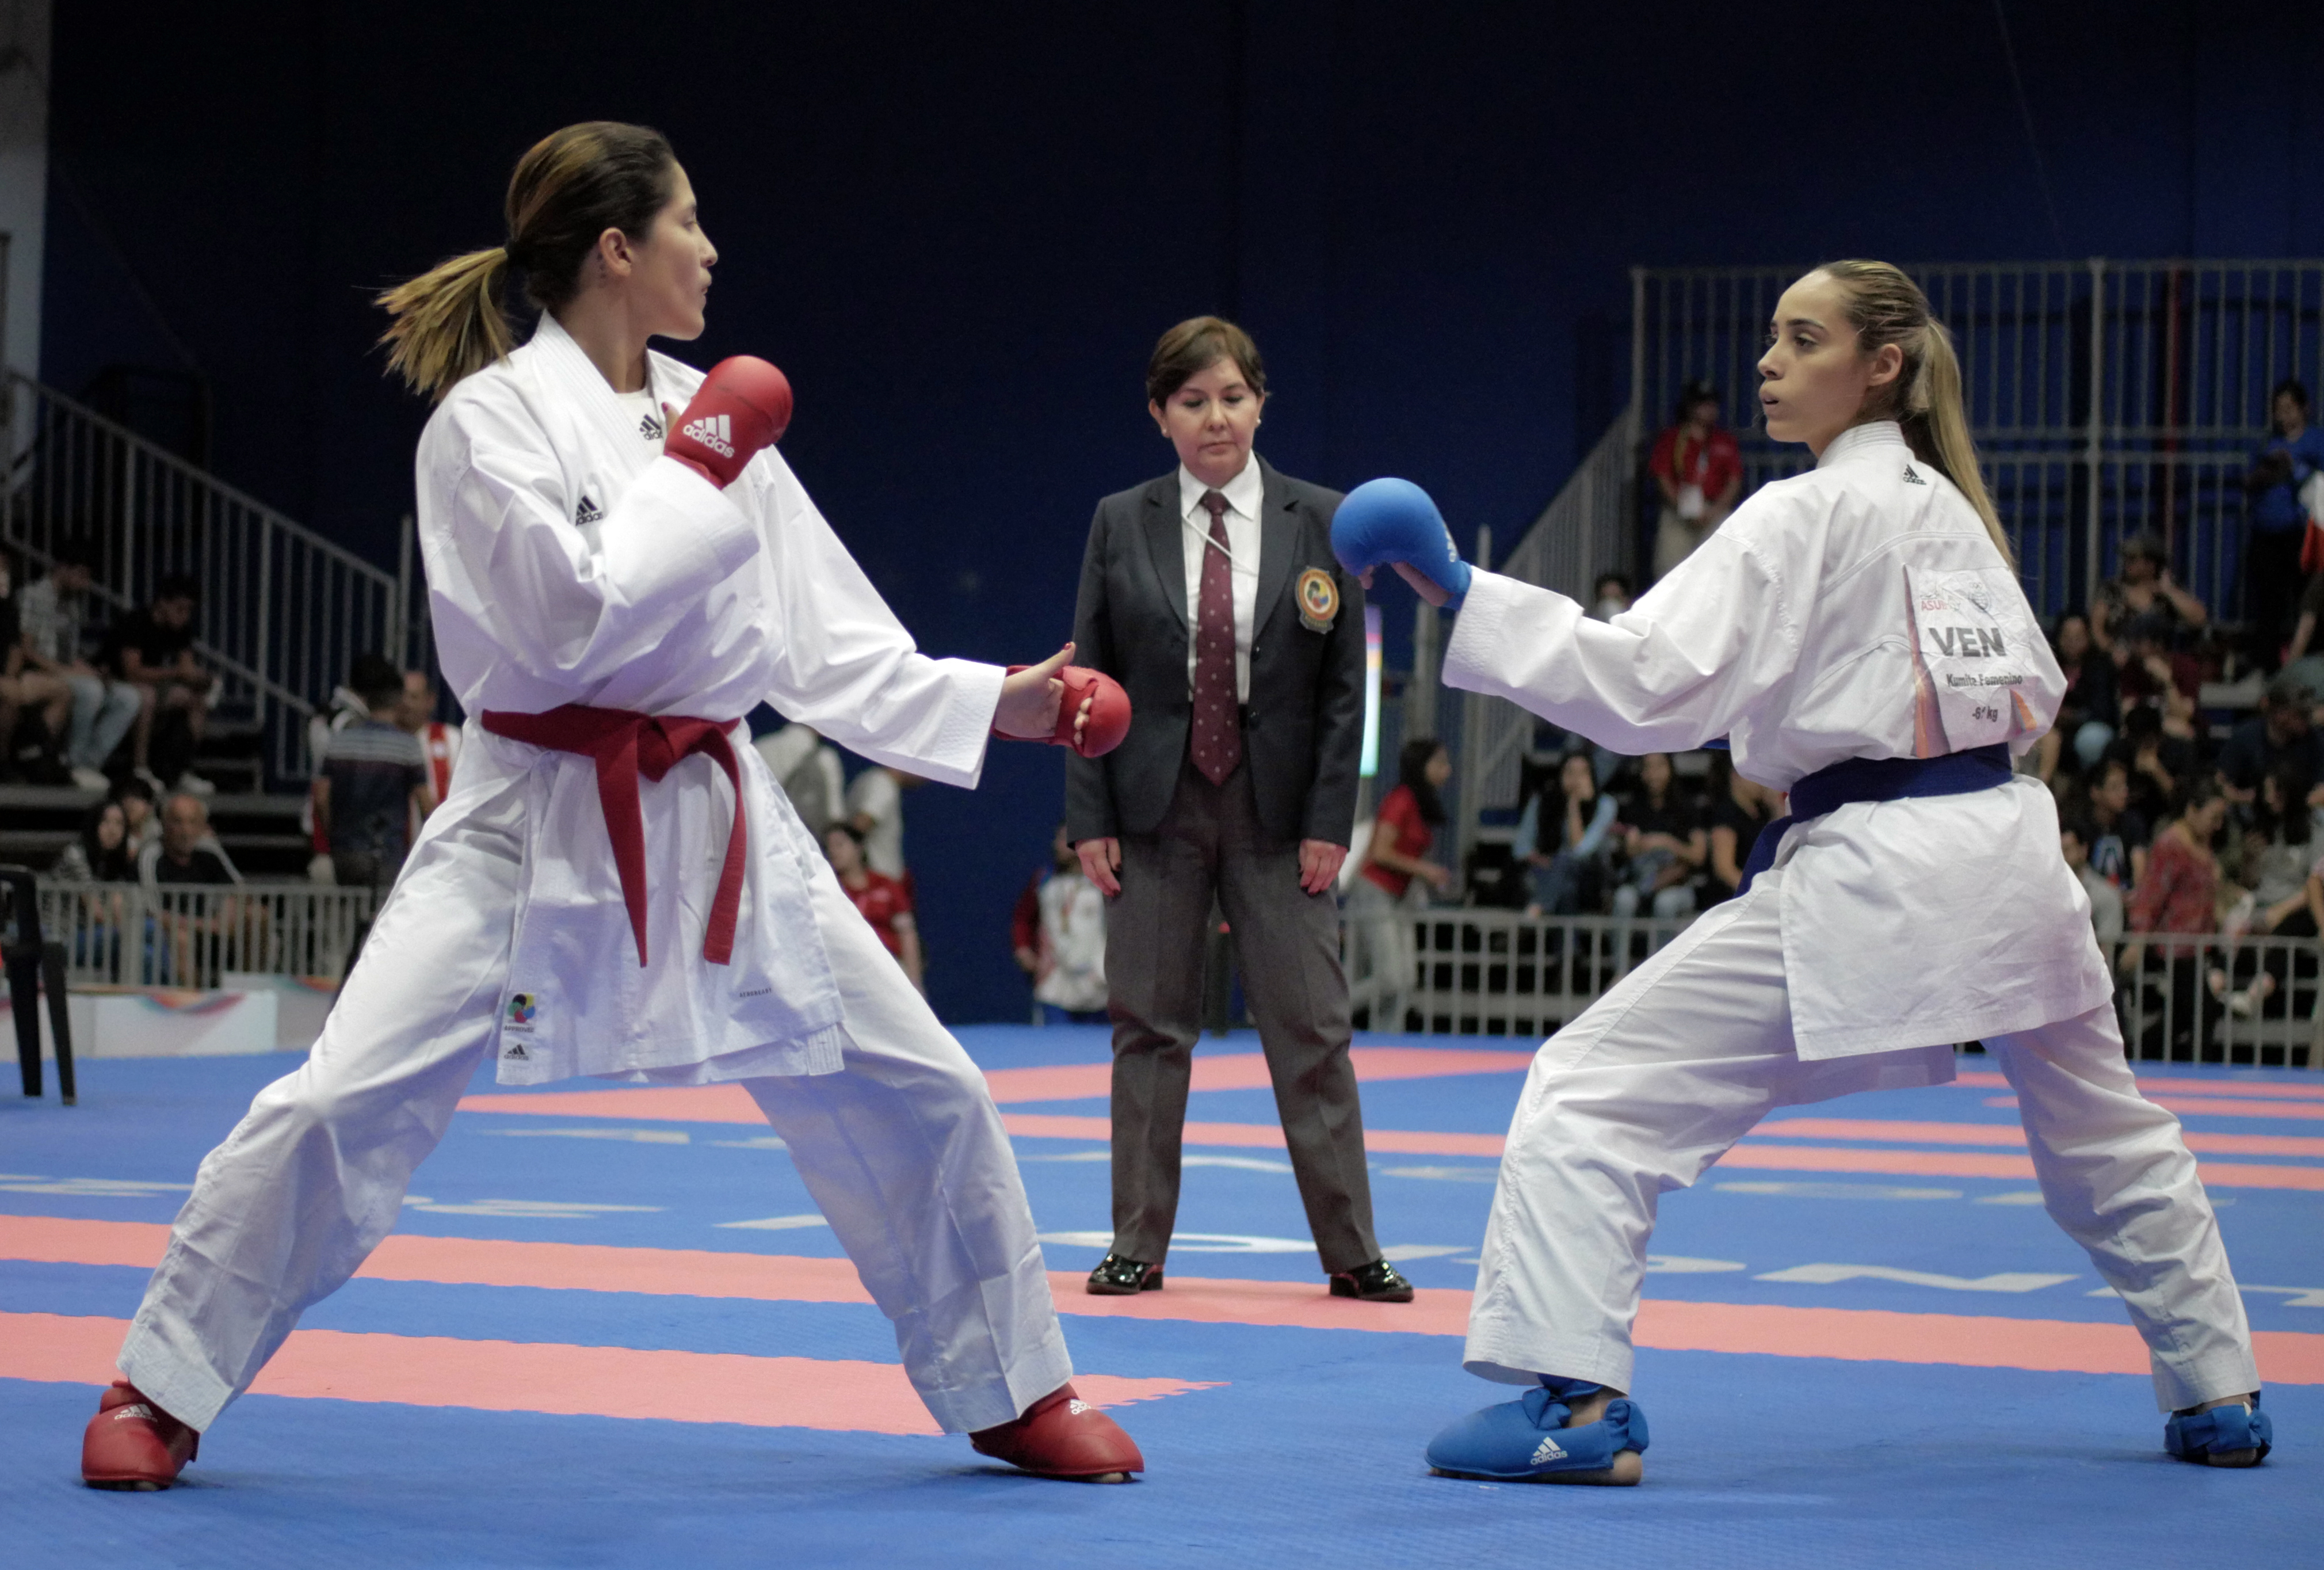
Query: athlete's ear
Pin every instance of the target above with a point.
(1888, 364)
(615, 251)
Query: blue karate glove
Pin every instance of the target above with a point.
(1392, 522)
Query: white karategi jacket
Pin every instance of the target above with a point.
(569, 564)
(1855, 611)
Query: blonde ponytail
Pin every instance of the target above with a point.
(1886, 307)
(449, 322)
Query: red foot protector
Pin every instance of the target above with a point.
(1109, 719)
(1063, 1435)
(132, 1444)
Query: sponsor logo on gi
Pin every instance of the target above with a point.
(1547, 1451)
(516, 1051)
(588, 511)
(649, 428)
(520, 1011)
(714, 431)
(1912, 478)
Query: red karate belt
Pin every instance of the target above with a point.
(624, 745)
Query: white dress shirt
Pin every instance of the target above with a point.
(1244, 494)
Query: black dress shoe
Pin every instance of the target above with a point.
(1117, 1277)
(1377, 1283)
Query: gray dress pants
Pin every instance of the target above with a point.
(1210, 847)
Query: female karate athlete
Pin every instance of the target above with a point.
(614, 887)
(1859, 634)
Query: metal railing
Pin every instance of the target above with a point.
(2203, 999)
(126, 935)
(282, 610)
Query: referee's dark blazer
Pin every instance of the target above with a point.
(1305, 718)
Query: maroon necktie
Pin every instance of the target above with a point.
(1218, 733)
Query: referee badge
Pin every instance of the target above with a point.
(1319, 600)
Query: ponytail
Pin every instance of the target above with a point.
(449, 322)
(569, 189)
(1886, 307)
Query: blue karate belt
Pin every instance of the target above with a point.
(1878, 780)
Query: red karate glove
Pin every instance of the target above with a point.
(1109, 717)
(745, 404)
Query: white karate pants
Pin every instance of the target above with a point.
(902, 1149)
(1650, 1086)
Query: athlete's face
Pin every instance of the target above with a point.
(1815, 378)
(1209, 420)
(667, 276)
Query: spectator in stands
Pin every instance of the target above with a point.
(186, 852)
(2279, 855)
(2179, 895)
(2159, 764)
(2114, 831)
(55, 612)
(1069, 943)
(152, 648)
(372, 783)
(1395, 857)
(2144, 586)
(883, 901)
(24, 685)
(2150, 671)
(2277, 739)
(194, 932)
(1699, 470)
(2090, 711)
(2294, 455)
(1666, 843)
(808, 770)
(101, 853)
(1610, 596)
(2074, 836)
(875, 809)
(1564, 835)
(1739, 810)
(136, 799)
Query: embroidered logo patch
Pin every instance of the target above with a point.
(1913, 476)
(1319, 600)
(520, 1011)
(588, 511)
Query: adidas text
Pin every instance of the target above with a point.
(714, 431)
(1547, 1451)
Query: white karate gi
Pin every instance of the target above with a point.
(567, 564)
(1855, 611)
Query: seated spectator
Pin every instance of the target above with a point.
(23, 685)
(2293, 455)
(875, 807)
(2279, 855)
(1699, 469)
(1610, 596)
(1564, 835)
(152, 648)
(2160, 764)
(101, 853)
(55, 613)
(186, 853)
(1069, 945)
(2090, 710)
(883, 901)
(808, 770)
(1666, 844)
(136, 799)
(2074, 837)
(1739, 810)
(2144, 588)
(2116, 831)
(372, 783)
(195, 935)
(1394, 857)
(2280, 737)
(2179, 895)
(2149, 671)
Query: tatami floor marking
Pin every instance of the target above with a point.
(834, 1394)
(2286, 1357)
(1905, 1132)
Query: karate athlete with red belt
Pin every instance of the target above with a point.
(1859, 634)
(620, 567)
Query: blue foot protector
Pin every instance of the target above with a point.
(2198, 1436)
(1525, 1439)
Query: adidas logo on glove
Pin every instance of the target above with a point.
(714, 431)
(1547, 1451)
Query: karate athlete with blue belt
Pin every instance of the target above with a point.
(1859, 634)
(620, 567)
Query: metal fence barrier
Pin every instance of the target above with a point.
(126, 935)
(2248, 1001)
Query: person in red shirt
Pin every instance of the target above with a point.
(883, 901)
(1699, 470)
(1402, 831)
(2179, 893)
